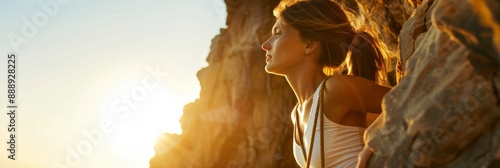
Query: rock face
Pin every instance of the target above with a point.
(242, 118)
(444, 112)
(387, 16)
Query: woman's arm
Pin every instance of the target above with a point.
(364, 157)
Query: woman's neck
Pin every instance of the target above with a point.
(305, 82)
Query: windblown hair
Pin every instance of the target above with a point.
(344, 49)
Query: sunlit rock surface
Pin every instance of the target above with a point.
(444, 112)
(242, 118)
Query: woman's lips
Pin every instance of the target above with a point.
(268, 57)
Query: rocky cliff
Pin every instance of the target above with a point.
(444, 112)
(242, 118)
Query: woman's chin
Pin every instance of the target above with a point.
(269, 69)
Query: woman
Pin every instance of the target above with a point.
(307, 37)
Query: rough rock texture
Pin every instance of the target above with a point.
(445, 112)
(388, 16)
(242, 118)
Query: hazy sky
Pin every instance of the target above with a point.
(97, 80)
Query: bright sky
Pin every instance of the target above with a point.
(98, 81)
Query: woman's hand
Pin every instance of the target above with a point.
(364, 157)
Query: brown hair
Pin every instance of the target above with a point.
(344, 49)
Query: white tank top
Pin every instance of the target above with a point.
(342, 143)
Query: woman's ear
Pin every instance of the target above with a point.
(311, 46)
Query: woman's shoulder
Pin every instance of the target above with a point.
(348, 78)
(338, 90)
(343, 83)
(349, 82)
(346, 88)
(339, 97)
(353, 92)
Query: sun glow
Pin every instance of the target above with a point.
(138, 128)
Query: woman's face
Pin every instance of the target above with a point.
(284, 49)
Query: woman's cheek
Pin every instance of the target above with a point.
(279, 42)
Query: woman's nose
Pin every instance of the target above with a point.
(266, 46)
